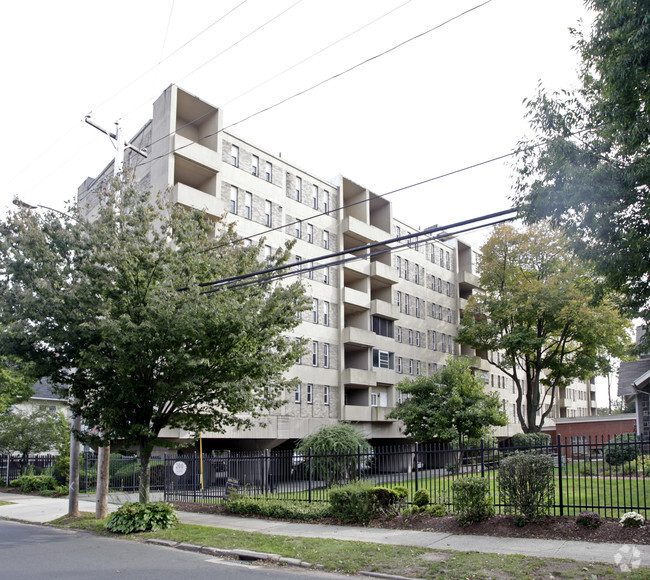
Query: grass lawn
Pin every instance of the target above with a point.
(353, 557)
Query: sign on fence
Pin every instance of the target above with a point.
(232, 488)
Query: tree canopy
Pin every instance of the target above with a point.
(540, 318)
(450, 405)
(31, 431)
(16, 381)
(120, 310)
(591, 173)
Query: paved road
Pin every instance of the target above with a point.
(29, 551)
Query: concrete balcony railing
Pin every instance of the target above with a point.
(194, 198)
(382, 273)
(358, 336)
(355, 300)
(361, 232)
(380, 413)
(359, 377)
(385, 309)
(356, 413)
(468, 281)
(195, 152)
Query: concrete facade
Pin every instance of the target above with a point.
(391, 315)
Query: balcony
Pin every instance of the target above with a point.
(380, 413)
(358, 336)
(359, 377)
(468, 281)
(382, 273)
(354, 300)
(357, 413)
(188, 196)
(195, 152)
(360, 232)
(385, 309)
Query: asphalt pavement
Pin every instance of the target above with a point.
(40, 510)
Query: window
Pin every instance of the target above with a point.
(234, 155)
(326, 395)
(443, 344)
(448, 289)
(374, 400)
(399, 300)
(410, 366)
(399, 334)
(298, 229)
(297, 394)
(314, 353)
(267, 213)
(382, 326)
(440, 285)
(406, 269)
(314, 196)
(233, 199)
(399, 365)
(433, 282)
(442, 256)
(417, 338)
(298, 188)
(267, 254)
(299, 359)
(433, 310)
(439, 312)
(416, 269)
(448, 314)
(326, 201)
(255, 165)
(299, 259)
(326, 240)
(433, 254)
(400, 396)
(310, 271)
(383, 359)
(418, 368)
(417, 308)
(314, 310)
(447, 261)
(398, 265)
(398, 231)
(326, 275)
(326, 313)
(434, 340)
(410, 336)
(268, 172)
(310, 233)
(248, 203)
(407, 299)
(310, 394)
(326, 355)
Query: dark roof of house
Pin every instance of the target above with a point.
(629, 374)
(43, 389)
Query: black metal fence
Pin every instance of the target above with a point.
(603, 474)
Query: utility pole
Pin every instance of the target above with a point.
(104, 453)
(73, 497)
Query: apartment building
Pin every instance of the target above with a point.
(379, 314)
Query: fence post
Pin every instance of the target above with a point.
(310, 469)
(8, 463)
(359, 462)
(416, 465)
(559, 472)
(482, 459)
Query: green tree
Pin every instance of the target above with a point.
(450, 405)
(591, 174)
(540, 318)
(28, 432)
(336, 451)
(121, 311)
(16, 382)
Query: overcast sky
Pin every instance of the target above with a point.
(446, 100)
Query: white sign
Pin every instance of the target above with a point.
(179, 468)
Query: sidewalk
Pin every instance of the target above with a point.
(37, 509)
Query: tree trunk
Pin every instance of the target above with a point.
(145, 474)
(73, 476)
(103, 465)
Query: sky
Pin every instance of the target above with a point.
(450, 98)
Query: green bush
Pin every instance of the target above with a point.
(140, 517)
(360, 502)
(472, 501)
(278, 509)
(436, 510)
(624, 448)
(58, 492)
(589, 519)
(30, 483)
(401, 491)
(530, 440)
(421, 498)
(528, 484)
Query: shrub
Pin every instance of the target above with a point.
(421, 498)
(621, 448)
(401, 491)
(451, 468)
(632, 520)
(30, 483)
(472, 502)
(436, 510)
(59, 491)
(279, 509)
(141, 517)
(589, 519)
(361, 502)
(530, 440)
(528, 484)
